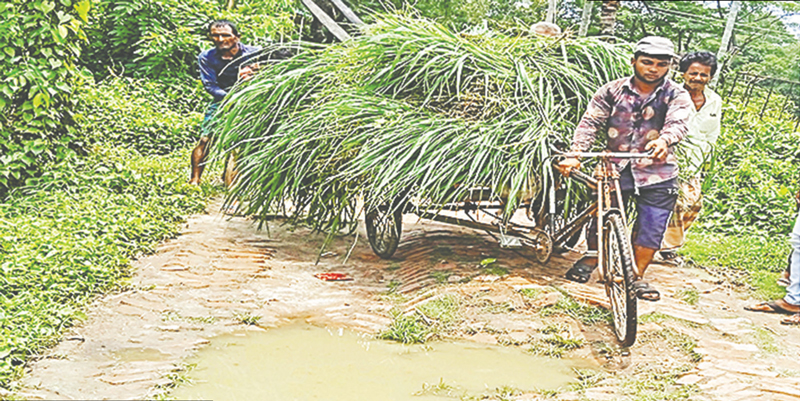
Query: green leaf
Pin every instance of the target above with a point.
(47, 6)
(10, 51)
(37, 100)
(62, 30)
(83, 10)
(488, 261)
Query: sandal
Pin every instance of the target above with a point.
(769, 307)
(793, 320)
(668, 255)
(645, 292)
(581, 271)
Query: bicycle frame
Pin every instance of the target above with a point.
(604, 181)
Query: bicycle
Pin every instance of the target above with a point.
(614, 250)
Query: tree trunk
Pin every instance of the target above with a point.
(608, 17)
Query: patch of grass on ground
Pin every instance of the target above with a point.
(765, 340)
(760, 256)
(587, 379)
(171, 316)
(496, 271)
(407, 329)
(681, 342)
(654, 317)
(442, 310)
(441, 276)
(587, 314)
(177, 377)
(428, 319)
(688, 295)
(532, 293)
(247, 318)
(658, 385)
(556, 340)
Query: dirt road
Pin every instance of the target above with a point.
(222, 273)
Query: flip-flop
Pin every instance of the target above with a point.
(773, 308)
(793, 320)
(580, 272)
(642, 289)
(783, 282)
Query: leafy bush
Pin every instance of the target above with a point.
(72, 235)
(152, 117)
(755, 176)
(158, 38)
(40, 43)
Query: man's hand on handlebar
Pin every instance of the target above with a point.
(567, 165)
(659, 148)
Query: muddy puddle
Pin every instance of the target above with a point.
(304, 362)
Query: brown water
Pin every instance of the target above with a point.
(303, 362)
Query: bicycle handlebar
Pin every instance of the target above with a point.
(616, 155)
(613, 155)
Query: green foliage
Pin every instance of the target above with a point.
(427, 320)
(758, 257)
(39, 43)
(157, 38)
(151, 117)
(406, 329)
(462, 14)
(247, 318)
(72, 236)
(659, 385)
(577, 310)
(556, 341)
(755, 176)
(764, 43)
(440, 312)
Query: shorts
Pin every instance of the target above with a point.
(205, 127)
(654, 206)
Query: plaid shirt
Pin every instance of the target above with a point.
(631, 122)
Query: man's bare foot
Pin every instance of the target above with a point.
(194, 182)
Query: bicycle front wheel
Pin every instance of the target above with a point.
(618, 268)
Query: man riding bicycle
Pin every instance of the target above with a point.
(643, 113)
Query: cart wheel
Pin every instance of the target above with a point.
(543, 247)
(384, 226)
(619, 277)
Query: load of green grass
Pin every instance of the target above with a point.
(408, 107)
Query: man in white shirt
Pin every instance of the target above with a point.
(704, 127)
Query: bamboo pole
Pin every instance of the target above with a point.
(586, 18)
(726, 37)
(551, 11)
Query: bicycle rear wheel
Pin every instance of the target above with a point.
(618, 268)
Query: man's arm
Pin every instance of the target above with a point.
(593, 119)
(209, 78)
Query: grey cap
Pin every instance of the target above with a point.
(656, 46)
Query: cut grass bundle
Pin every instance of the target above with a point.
(410, 107)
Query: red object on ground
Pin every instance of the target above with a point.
(333, 277)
